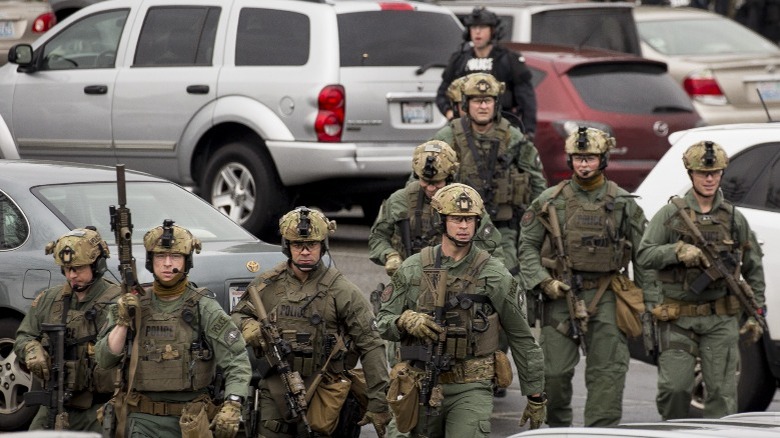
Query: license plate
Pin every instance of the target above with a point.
(235, 293)
(770, 91)
(416, 112)
(6, 29)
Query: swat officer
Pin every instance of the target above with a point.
(495, 158)
(576, 241)
(81, 255)
(480, 52)
(315, 306)
(701, 322)
(176, 335)
(480, 298)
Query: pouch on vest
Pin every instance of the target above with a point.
(194, 421)
(666, 312)
(629, 305)
(403, 396)
(326, 403)
(503, 369)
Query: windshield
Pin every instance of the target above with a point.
(715, 36)
(79, 205)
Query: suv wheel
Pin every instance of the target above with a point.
(240, 183)
(14, 382)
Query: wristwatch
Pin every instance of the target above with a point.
(235, 398)
(540, 399)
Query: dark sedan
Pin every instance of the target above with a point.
(40, 201)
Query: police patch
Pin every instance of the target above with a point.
(387, 293)
(220, 323)
(528, 217)
(231, 336)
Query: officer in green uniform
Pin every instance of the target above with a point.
(314, 305)
(481, 300)
(495, 158)
(600, 226)
(704, 325)
(181, 335)
(81, 255)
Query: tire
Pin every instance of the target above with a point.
(241, 183)
(14, 382)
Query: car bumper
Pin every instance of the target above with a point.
(719, 115)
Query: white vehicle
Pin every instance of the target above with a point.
(752, 183)
(7, 144)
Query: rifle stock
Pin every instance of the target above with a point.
(295, 396)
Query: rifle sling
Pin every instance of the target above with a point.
(486, 168)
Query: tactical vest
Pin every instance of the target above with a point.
(421, 222)
(82, 371)
(472, 323)
(300, 318)
(716, 227)
(491, 170)
(593, 232)
(173, 354)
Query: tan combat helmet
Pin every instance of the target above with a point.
(304, 225)
(434, 161)
(80, 247)
(589, 141)
(170, 238)
(455, 91)
(705, 156)
(457, 200)
(481, 84)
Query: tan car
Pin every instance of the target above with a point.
(721, 64)
(23, 21)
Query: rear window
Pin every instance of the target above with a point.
(630, 89)
(603, 28)
(418, 38)
(753, 178)
(271, 37)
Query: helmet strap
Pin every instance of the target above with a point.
(458, 243)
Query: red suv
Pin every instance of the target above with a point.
(633, 99)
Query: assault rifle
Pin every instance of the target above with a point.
(406, 237)
(276, 351)
(53, 396)
(578, 324)
(723, 265)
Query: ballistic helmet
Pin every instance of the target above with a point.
(170, 238)
(457, 200)
(705, 155)
(481, 84)
(434, 160)
(481, 16)
(304, 224)
(80, 247)
(589, 141)
(455, 90)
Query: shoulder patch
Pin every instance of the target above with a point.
(528, 217)
(387, 293)
(231, 336)
(220, 323)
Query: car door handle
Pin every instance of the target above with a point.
(198, 89)
(95, 89)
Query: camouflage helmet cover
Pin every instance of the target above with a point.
(79, 247)
(457, 200)
(304, 224)
(482, 84)
(705, 155)
(455, 90)
(434, 160)
(177, 240)
(589, 141)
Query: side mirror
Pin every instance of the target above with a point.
(21, 54)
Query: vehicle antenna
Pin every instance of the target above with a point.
(766, 110)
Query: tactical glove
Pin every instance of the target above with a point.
(225, 423)
(419, 325)
(37, 360)
(126, 307)
(392, 263)
(252, 333)
(753, 329)
(690, 255)
(536, 412)
(554, 288)
(379, 420)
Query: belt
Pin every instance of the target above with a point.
(716, 307)
(147, 406)
(469, 371)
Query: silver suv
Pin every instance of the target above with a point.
(257, 105)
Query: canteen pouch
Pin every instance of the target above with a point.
(629, 306)
(666, 312)
(194, 421)
(403, 396)
(325, 405)
(503, 370)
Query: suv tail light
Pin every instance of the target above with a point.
(395, 6)
(702, 87)
(329, 123)
(44, 22)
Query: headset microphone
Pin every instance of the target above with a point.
(175, 270)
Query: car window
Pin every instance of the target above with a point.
(752, 178)
(418, 38)
(150, 203)
(604, 28)
(89, 43)
(177, 36)
(615, 87)
(272, 37)
(14, 228)
(702, 37)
